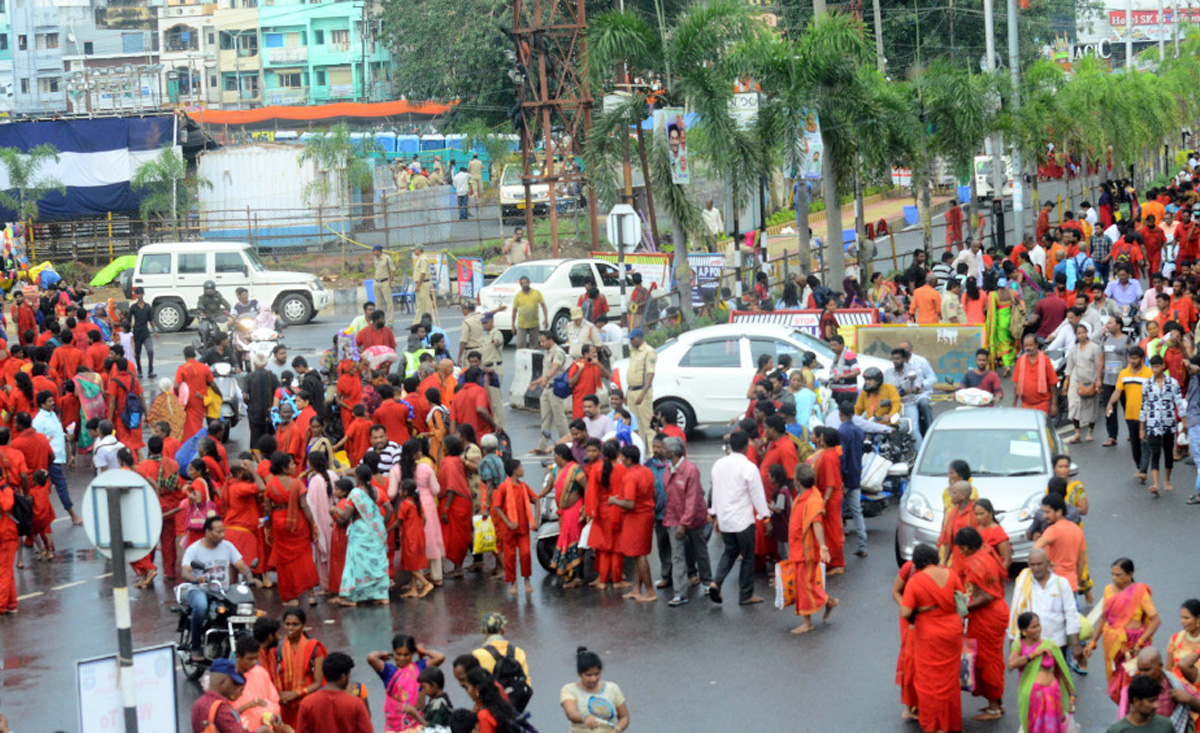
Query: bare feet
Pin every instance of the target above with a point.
(409, 594)
(835, 571)
(425, 591)
(512, 589)
(346, 603)
(622, 584)
(751, 601)
(1167, 485)
(382, 602)
(597, 583)
(1140, 476)
(528, 587)
(803, 628)
(908, 714)
(631, 595)
(573, 583)
(647, 599)
(831, 604)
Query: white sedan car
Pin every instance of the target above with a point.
(705, 373)
(560, 282)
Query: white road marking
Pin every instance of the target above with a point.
(27, 596)
(68, 585)
(106, 575)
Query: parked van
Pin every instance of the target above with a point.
(983, 176)
(173, 275)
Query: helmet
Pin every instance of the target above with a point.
(872, 379)
(210, 285)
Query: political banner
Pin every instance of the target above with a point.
(669, 122)
(812, 147)
(950, 349)
(470, 277)
(655, 267)
(705, 270)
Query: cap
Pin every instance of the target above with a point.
(419, 248)
(494, 623)
(224, 666)
(637, 333)
(377, 248)
(576, 312)
(487, 318)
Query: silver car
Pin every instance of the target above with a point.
(1009, 451)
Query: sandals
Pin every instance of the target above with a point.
(1108, 443)
(1194, 499)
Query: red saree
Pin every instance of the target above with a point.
(987, 624)
(955, 520)
(1121, 608)
(937, 639)
(456, 508)
(906, 667)
(292, 550)
(827, 463)
(805, 552)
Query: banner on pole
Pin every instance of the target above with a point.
(669, 122)
(812, 147)
(470, 277)
(655, 267)
(705, 270)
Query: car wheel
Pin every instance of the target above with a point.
(686, 416)
(559, 326)
(170, 316)
(295, 309)
(896, 547)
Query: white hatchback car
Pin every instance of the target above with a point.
(560, 282)
(705, 373)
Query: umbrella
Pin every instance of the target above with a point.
(116, 267)
(377, 355)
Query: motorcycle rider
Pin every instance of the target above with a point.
(213, 303)
(220, 352)
(216, 554)
(875, 391)
(244, 305)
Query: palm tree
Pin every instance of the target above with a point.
(169, 192)
(27, 184)
(334, 151)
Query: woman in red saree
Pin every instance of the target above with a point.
(605, 478)
(570, 484)
(244, 491)
(992, 533)
(292, 531)
(937, 641)
(1126, 625)
(807, 550)
(827, 464)
(987, 619)
(456, 505)
(906, 666)
(960, 514)
(300, 665)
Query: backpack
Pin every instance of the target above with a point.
(511, 676)
(22, 513)
(562, 385)
(131, 416)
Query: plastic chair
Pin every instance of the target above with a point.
(404, 296)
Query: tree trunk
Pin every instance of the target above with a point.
(805, 241)
(641, 146)
(925, 206)
(683, 274)
(835, 258)
(865, 248)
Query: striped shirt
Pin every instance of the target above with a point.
(388, 456)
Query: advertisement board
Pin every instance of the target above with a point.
(99, 695)
(812, 147)
(949, 349)
(705, 271)
(470, 277)
(669, 123)
(655, 267)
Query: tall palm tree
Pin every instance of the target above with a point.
(343, 157)
(169, 191)
(27, 184)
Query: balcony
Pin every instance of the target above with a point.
(244, 59)
(288, 55)
(249, 98)
(286, 96)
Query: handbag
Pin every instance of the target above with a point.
(485, 535)
(961, 603)
(1016, 323)
(1085, 389)
(785, 584)
(966, 666)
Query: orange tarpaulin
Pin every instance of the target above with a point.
(318, 112)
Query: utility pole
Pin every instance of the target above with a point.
(989, 33)
(1128, 36)
(1162, 32)
(881, 62)
(1014, 73)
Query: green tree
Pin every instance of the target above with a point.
(169, 192)
(26, 183)
(478, 135)
(334, 151)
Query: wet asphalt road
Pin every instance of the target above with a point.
(701, 667)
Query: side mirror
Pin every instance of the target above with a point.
(894, 419)
(244, 270)
(198, 566)
(1074, 469)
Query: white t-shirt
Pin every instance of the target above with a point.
(1037, 256)
(104, 453)
(216, 561)
(601, 705)
(1112, 234)
(462, 183)
(612, 333)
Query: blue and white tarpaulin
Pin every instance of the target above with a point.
(97, 159)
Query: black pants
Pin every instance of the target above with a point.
(662, 537)
(738, 544)
(1164, 444)
(259, 429)
(1110, 421)
(139, 342)
(1141, 458)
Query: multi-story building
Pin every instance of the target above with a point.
(188, 48)
(320, 53)
(35, 41)
(239, 60)
(6, 63)
(110, 57)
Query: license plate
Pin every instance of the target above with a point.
(242, 619)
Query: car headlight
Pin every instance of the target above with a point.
(315, 286)
(1031, 507)
(918, 506)
(245, 609)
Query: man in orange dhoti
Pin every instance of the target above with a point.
(1035, 385)
(807, 550)
(198, 379)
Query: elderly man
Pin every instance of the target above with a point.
(928, 380)
(738, 500)
(1039, 590)
(639, 382)
(1174, 700)
(214, 708)
(685, 518)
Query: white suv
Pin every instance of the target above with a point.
(560, 282)
(173, 275)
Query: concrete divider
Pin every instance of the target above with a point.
(527, 367)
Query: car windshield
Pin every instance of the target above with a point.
(812, 343)
(537, 273)
(991, 452)
(511, 176)
(256, 263)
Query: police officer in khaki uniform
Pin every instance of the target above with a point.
(471, 336)
(385, 274)
(492, 351)
(554, 409)
(422, 288)
(640, 382)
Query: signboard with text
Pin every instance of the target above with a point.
(705, 270)
(470, 277)
(809, 321)
(99, 695)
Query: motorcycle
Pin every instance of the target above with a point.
(251, 340)
(548, 526)
(231, 612)
(886, 466)
(206, 328)
(231, 393)
(1058, 360)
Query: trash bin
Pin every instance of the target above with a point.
(910, 215)
(964, 194)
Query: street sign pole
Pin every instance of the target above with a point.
(121, 611)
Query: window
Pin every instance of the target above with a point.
(134, 42)
(51, 40)
(716, 354)
(610, 277)
(155, 265)
(48, 86)
(22, 43)
(319, 38)
(24, 86)
(89, 48)
(193, 264)
(320, 77)
(580, 274)
(212, 38)
(212, 81)
(288, 79)
(4, 42)
(340, 37)
(775, 348)
(231, 84)
(229, 262)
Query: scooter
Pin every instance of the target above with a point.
(231, 612)
(548, 526)
(887, 466)
(251, 340)
(231, 393)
